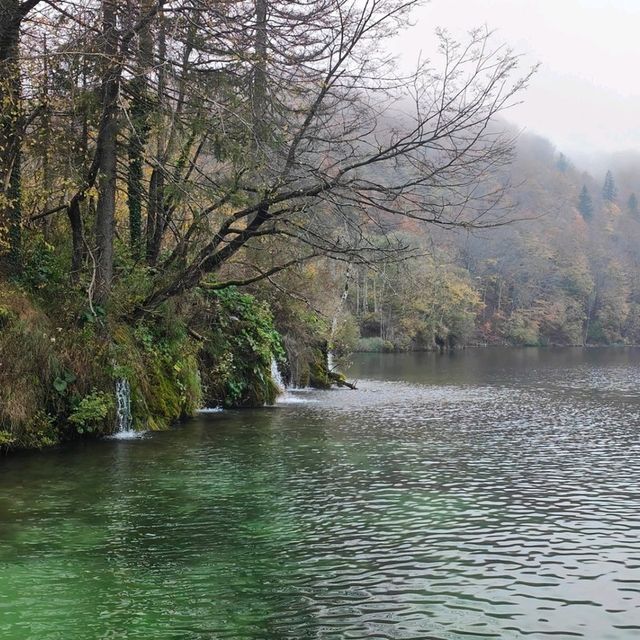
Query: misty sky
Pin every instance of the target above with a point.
(586, 95)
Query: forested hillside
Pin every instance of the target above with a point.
(565, 272)
(160, 156)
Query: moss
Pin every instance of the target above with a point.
(240, 341)
(318, 368)
(161, 366)
(65, 388)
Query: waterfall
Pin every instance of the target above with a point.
(123, 406)
(276, 376)
(330, 363)
(287, 395)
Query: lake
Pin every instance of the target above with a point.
(489, 493)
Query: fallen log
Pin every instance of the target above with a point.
(339, 380)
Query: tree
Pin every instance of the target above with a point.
(562, 163)
(99, 169)
(609, 190)
(266, 133)
(585, 204)
(106, 152)
(140, 110)
(349, 146)
(12, 123)
(632, 205)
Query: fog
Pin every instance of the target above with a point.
(585, 97)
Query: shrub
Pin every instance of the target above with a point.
(92, 411)
(523, 331)
(241, 341)
(374, 345)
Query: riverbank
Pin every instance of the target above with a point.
(62, 357)
(61, 363)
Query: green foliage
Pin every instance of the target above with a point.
(632, 206)
(6, 439)
(39, 432)
(345, 338)
(417, 305)
(91, 412)
(134, 280)
(69, 374)
(585, 204)
(95, 315)
(374, 345)
(562, 163)
(5, 316)
(44, 267)
(609, 189)
(304, 332)
(241, 341)
(523, 331)
(319, 374)
(160, 363)
(61, 383)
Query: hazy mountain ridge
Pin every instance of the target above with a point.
(556, 275)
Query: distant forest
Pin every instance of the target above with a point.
(564, 273)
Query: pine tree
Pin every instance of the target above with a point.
(562, 163)
(632, 205)
(609, 191)
(585, 204)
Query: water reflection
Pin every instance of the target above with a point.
(490, 494)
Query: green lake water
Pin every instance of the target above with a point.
(484, 494)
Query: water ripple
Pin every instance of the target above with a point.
(462, 509)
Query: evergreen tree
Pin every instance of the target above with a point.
(562, 163)
(585, 204)
(632, 205)
(609, 191)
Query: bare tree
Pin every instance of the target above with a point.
(269, 132)
(350, 145)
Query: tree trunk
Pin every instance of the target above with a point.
(137, 141)
(259, 96)
(10, 134)
(139, 134)
(155, 215)
(77, 239)
(46, 130)
(15, 263)
(107, 157)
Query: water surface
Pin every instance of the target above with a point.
(484, 494)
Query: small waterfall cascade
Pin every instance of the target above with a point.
(286, 395)
(276, 376)
(330, 362)
(124, 419)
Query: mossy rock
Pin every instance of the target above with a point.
(319, 377)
